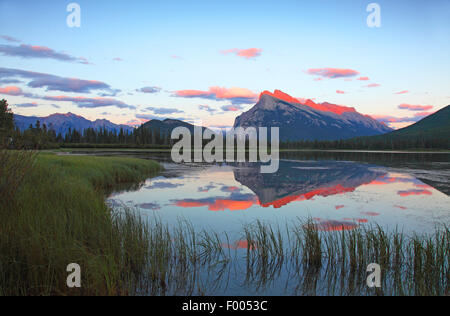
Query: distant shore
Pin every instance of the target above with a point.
(143, 150)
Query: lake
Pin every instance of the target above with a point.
(336, 190)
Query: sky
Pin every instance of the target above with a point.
(207, 61)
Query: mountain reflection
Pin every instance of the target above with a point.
(297, 181)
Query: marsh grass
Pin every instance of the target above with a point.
(411, 264)
(58, 216)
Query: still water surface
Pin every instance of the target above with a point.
(337, 190)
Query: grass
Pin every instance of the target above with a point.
(55, 214)
(58, 216)
(411, 265)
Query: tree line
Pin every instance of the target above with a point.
(44, 137)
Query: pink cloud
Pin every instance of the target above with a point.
(340, 92)
(332, 73)
(245, 53)
(236, 95)
(363, 78)
(371, 213)
(409, 107)
(373, 85)
(414, 192)
(423, 114)
(231, 108)
(394, 119)
(11, 90)
(402, 92)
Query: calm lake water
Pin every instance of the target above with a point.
(338, 190)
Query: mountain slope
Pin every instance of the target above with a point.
(61, 123)
(436, 125)
(166, 126)
(306, 120)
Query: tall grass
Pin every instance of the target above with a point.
(411, 264)
(56, 215)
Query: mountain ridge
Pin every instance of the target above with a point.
(311, 121)
(62, 122)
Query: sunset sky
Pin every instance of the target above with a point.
(207, 61)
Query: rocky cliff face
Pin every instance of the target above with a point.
(306, 120)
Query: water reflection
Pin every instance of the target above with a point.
(296, 181)
(337, 194)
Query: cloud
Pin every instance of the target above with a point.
(409, 107)
(10, 39)
(86, 102)
(363, 78)
(373, 214)
(29, 51)
(207, 108)
(372, 85)
(56, 106)
(414, 192)
(231, 108)
(11, 90)
(149, 206)
(149, 117)
(235, 202)
(176, 57)
(393, 119)
(206, 188)
(163, 185)
(332, 73)
(26, 105)
(163, 110)
(55, 83)
(334, 225)
(235, 95)
(135, 122)
(402, 92)
(245, 53)
(9, 81)
(117, 59)
(340, 92)
(387, 119)
(149, 89)
(423, 114)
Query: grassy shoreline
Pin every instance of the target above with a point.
(58, 216)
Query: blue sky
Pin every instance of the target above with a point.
(186, 50)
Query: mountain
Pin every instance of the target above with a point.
(436, 125)
(307, 120)
(61, 123)
(166, 126)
